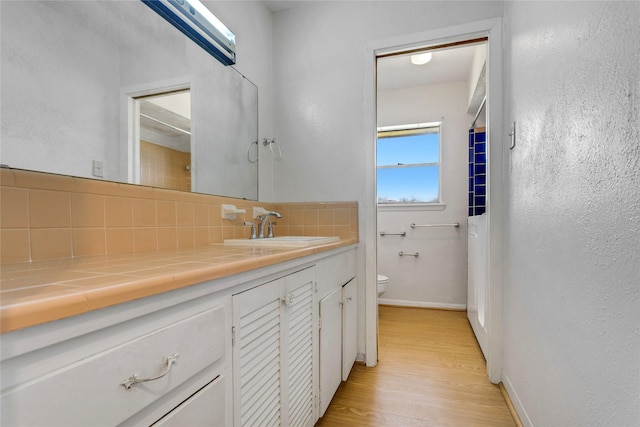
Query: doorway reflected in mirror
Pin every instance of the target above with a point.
(164, 141)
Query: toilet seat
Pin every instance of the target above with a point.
(383, 283)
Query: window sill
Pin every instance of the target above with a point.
(411, 207)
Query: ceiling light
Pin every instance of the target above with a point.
(421, 58)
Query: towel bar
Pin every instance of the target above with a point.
(455, 224)
(384, 233)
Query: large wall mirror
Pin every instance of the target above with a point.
(84, 82)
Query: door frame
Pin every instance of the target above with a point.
(491, 28)
(130, 124)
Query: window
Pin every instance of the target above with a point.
(408, 163)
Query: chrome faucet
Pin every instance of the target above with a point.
(263, 220)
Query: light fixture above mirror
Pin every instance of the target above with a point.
(200, 25)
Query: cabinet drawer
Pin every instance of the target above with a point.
(335, 271)
(204, 409)
(89, 391)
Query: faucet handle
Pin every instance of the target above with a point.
(253, 228)
(270, 230)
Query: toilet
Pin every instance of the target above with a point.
(383, 282)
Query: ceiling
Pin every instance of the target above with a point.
(446, 66)
(276, 5)
(168, 114)
(163, 120)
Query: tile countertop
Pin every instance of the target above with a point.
(43, 291)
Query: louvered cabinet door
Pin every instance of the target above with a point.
(299, 310)
(257, 319)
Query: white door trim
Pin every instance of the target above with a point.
(493, 29)
(130, 124)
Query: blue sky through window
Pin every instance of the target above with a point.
(422, 148)
(409, 184)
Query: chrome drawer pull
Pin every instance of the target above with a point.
(133, 379)
(415, 254)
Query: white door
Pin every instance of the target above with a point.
(477, 279)
(330, 347)
(349, 326)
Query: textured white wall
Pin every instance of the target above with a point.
(48, 127)
(438, 277)
(571, 300)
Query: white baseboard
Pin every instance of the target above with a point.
(422, 304)
(515, 400)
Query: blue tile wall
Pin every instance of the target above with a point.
(477, 172)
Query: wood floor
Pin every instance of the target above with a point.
(430, 373)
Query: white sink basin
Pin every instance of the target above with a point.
(284, 241)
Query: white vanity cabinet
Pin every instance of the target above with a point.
(273, 347)
(243, 350)
(205, 408)
(337, 290)
(129, 373)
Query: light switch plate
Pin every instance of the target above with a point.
(512, 134)
(97, 168)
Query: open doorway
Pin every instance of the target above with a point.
(157, 113)
(164, 141)
(446, 215)
(436, 91)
